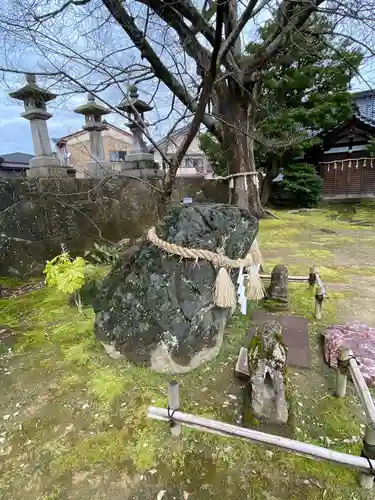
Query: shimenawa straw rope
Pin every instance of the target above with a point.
(225, 292)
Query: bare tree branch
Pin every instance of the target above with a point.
(56, 12)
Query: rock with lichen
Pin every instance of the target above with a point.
(267, 355)
(157, 309)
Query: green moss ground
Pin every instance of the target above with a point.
(78, 426)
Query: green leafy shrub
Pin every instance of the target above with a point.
(370, 147)
(103, 254)
(90, 290)
(302, 184)
(214, 152)
(68, 275)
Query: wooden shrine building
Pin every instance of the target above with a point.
(346, 166)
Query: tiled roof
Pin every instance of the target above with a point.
(177, 132)
(17, 157)
(365, 106)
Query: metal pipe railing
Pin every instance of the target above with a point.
(347, 364)
(223, 429)
(365, 464)
(362, 389)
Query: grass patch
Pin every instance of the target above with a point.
(8, 282)
(106, 386)
(83, 411)
(104, 448)
(361, 271)
(313, 255)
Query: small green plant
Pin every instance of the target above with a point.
(103, 254)
(68, 275)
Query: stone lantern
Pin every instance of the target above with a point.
(93, 112)
(35, 98)
(135, 109)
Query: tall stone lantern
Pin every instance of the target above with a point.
(139, 156)
(35, 98)
(93, 112)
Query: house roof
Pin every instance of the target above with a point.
(81, 132)
(365, 106)
(20, 158)
(170, 137)
(19, 162)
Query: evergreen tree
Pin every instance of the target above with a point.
(305, 92)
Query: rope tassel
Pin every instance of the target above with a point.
(255, 289)
(255, 253)
(225, 293)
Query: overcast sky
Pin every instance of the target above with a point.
(15, 130)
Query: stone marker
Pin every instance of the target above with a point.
(278, 289)
(267, 362)
(157, 309)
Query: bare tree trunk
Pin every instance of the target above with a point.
(246, 194)
(271, 174)
(238, 144)
(168, 183)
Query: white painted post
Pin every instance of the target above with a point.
(174, 404)
(342, 371)
(366, 480)
(318, 302)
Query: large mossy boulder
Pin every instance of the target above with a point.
(157, 309)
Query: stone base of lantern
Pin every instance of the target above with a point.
(139, 161)
(138, 165)
(98, 169)
(139, 156)
(46, 166)
(141, 173)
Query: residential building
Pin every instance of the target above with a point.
(343, 160)
(15, 165)
(74, 149)
(194, 164)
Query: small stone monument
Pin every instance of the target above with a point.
(93, 112)
(139, 162)
(35, 98)
(278, 289)
(267, 355)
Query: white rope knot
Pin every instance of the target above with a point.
(225, 292)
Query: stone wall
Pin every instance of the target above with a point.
(37, 216)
